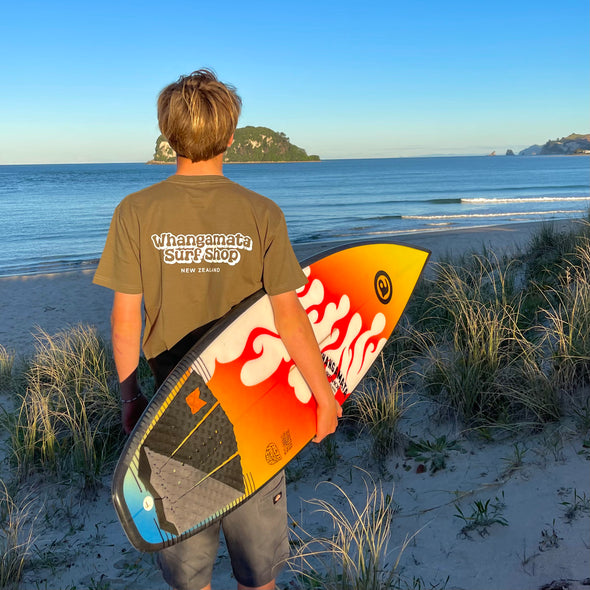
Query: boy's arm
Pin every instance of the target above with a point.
(297, 335)
(126, 338)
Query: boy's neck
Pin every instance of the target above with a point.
(212, 167)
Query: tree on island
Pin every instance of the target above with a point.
(251, 144)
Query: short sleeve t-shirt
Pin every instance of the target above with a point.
(195, 246)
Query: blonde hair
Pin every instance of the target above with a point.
(198, 115)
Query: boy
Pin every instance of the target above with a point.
(152, 255)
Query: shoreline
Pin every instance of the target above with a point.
(53, 302)
(465, 239)
(415, 237)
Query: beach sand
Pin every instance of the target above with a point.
(52, 302)
(81, 544)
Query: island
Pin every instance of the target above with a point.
(251, 145)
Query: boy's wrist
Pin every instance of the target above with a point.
(325, 399)
(129, 388)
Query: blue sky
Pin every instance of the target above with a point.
(370, 79)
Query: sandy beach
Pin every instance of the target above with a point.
(541, 546)
(53, 302)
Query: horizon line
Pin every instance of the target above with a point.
(443, 155)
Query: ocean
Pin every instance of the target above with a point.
(55, 217)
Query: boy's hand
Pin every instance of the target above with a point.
(327, 419)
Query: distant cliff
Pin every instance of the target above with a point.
(251, 144)
(566, 146)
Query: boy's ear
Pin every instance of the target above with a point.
(231, 140)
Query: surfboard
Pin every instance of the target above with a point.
(236, 410)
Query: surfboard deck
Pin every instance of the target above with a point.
(236, 410)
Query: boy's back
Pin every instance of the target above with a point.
(195, 246)
(185, 251)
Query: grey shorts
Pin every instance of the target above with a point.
(256, 537)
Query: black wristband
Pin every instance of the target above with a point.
(128, 401)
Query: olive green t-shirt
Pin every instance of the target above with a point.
(195, 246)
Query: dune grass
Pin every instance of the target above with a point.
(568, 327)
(486, 366)
(68, 422)
(551, 252)
(16, 536)
(6, 367)
(506, 337)
(378, 405)
(356, 556)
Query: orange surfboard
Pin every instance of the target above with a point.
(236, 410)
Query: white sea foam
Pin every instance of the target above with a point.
(493, 201)
(493, 215)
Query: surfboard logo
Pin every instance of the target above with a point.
(194, 401)
(383, 287)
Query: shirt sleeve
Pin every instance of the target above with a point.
(119, 266)
(282, 271)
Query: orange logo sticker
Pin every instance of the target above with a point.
(194, 402)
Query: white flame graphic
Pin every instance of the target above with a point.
(272, 352)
